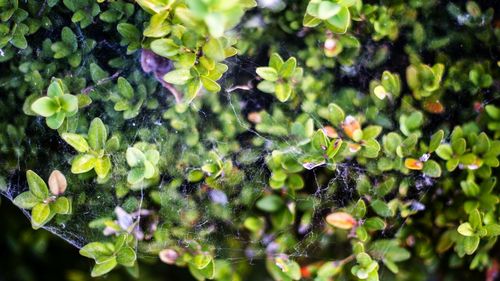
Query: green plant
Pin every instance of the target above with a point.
(142, 159)
(56, 106)
(93, 150)
(424, 80)
(108, 255)
(44, 205)
(280, 77)
(335, 14)
(68, 49)
(324, 166)
(197, 56)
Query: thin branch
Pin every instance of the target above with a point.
(246, 87)
(173, 90)
(100, 82)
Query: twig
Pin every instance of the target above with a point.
(246, 87)
(100, 82)
(173, 90)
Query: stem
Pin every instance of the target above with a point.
(100, 82)
(172, 89)
(246, 87)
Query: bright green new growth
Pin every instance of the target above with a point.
(424, 80)
(336, 14)
(44, 205)
(192, 36)
(56, 106)
(142, 159)
(108, 255)
(280, 77)
(472, 232)
(94, 150)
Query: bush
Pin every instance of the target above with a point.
(328, 139)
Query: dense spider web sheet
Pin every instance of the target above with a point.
(238, 98)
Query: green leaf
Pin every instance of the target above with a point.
(126, 256)
(55, 121)
(192, 89)
(459, 145)
(492, 229)
(37, 186)
(288, 68)
(178, 76)
(69, 38)
(483, 144)
(112, 144)
(97, 134)
(206, 272)
(327, 9)
(210, 84)
(336, 114)
(215, 23)
(76, 141)
(97, 73)
(83, 163)
(45, 106)
(158, 26)
(149, 170)
(61, 206)
(432, 169)
(470, 244)
(452, 164)
(374, 223)
(283, 91)
(371, 132)
(334, 148)
(340, 22)
(267, 87)
(444, 151)
(201, 261)
(267, 73)
(213, 49)
(129, 31)
(153, 156)
(39, 215)
(135, 175)
(381, 208)
(165, 48)
(310, 21)
(319, 140)
(475, 219)
(26, 200)
(69, 104)
(19, 41)
(125, 88)
(103, 268)
(135, 157)
(465, 229)
(276, 62)
(270, 204)
(371, 148)
(493, 111)
(94, 250)
(102, 166)
(435, 141)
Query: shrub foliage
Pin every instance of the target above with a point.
(332, 139)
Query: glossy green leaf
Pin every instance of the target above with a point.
(26, 200)
(37, 186)
(40, 214)
(78, 142)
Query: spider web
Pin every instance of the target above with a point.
(217, 212)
